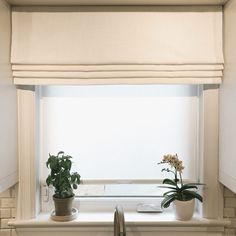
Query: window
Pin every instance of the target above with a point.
(118, 134)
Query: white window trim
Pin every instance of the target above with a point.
(29, 184)
(209, 153)
(26, 197)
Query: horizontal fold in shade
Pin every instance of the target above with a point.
(111, 45)
(117, 74)
(130, 67)
(114, 81)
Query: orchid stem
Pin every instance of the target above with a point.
(181, 181)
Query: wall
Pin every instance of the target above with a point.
(227, 150)
(227, 129)
(8, 127)
(8, 110)
(7, 211)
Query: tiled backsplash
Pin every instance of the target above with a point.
(8, 211)
(230, 211)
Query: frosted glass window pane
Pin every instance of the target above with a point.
(120, 132)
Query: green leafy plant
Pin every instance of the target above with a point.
(178, 190)
(60, 176)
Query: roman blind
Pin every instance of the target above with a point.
(117, 45)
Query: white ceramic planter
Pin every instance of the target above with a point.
(183, 209)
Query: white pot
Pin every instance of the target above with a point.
(183, 209)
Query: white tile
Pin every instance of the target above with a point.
(230, 202)
(13, 212)
(233, 223)
(6, 193)
(5, 213)
(229, 232)
(5, 232)
(13, 232)
(4, 224)
(7, 202)
(228, 193)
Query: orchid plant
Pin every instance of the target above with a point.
(178, 190)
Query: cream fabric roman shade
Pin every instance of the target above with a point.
(110, 45)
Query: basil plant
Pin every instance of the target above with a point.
(60, 176)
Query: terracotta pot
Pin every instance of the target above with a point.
(183, 209)
(63, 206)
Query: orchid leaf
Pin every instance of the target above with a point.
(169, 181)
(169, 187)
(188, 187)
(171, 191)
(167, 201)
(193, 194)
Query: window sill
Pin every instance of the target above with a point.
(149, 221)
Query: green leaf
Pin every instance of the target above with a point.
(60, 153)
(188, 187)
(73, 178)
(78, 180)
(171, 191)
(193, 194)
(49, 180)
(169, 181)
(167, 200)
(169, 187)
(68, 157)
(68, 164)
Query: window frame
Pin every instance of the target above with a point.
(169, 90)
(29, 183)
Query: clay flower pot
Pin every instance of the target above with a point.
(63, 206)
